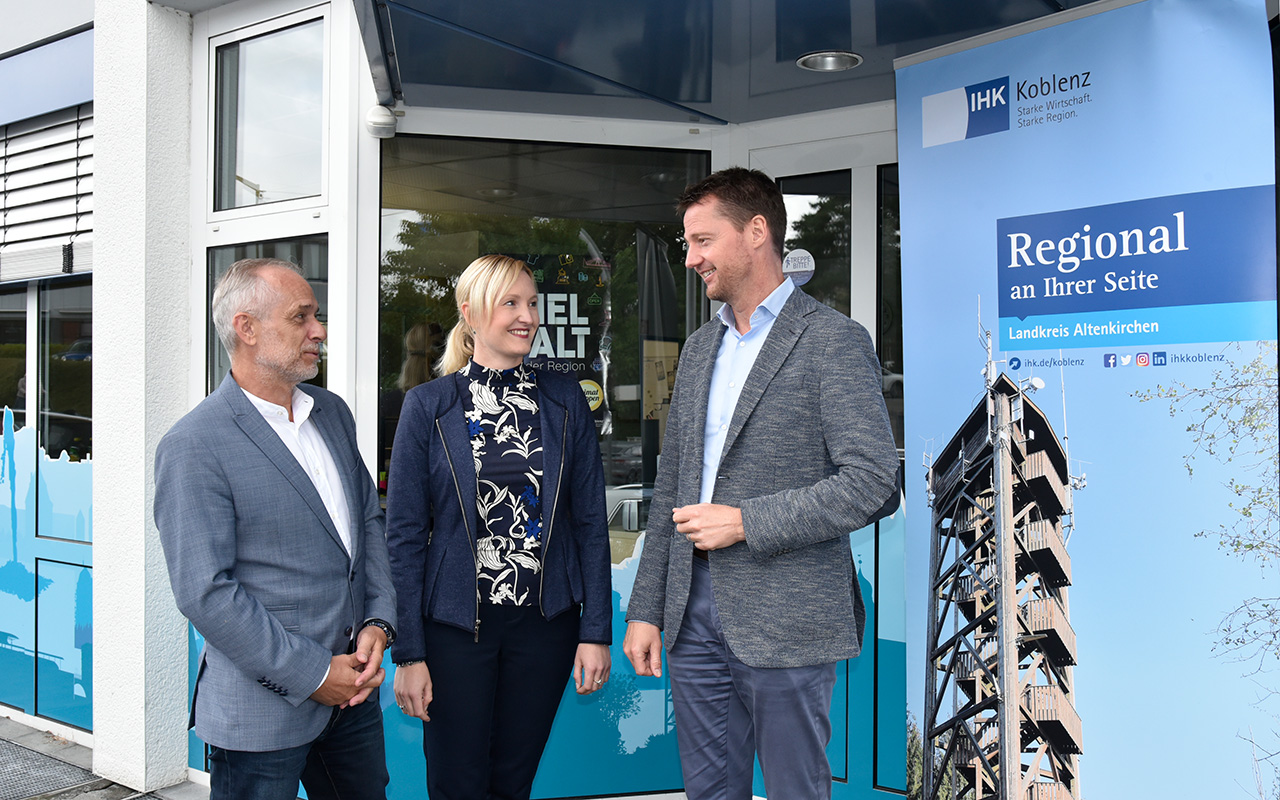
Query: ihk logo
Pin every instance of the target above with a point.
(1109, 360)
(966, 113)
(1015, 363)
(1144, 360)
(1159, 359)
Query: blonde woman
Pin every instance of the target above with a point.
(499, 545)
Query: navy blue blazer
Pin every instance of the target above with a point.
(432, 516)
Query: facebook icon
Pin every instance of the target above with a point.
(1109, 360)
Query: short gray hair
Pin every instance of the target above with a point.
(242, 289)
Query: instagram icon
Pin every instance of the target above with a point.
(1143, 360)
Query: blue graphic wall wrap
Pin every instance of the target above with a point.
(622, 740)
(46, 581)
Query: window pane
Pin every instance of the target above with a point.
(818, 221)
(66, 365)
(269, 117)
(890, 338)
(598, 227)
(13, 354)
(311, 253)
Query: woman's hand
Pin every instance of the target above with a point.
(413, 689)
(590, 667)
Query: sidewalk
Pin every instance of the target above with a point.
(37, 765)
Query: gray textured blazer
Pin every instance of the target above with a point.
(257, 566)
(809, 457)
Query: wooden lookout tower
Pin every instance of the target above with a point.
(1000, 720)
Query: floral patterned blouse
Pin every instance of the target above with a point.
(502, 419)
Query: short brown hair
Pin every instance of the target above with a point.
(743, 193)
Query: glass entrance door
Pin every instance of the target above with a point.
(598, 227)
(841, 198)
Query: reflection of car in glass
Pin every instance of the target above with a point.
(628, 507)
(623, 462)
(890, 381)
(80, 350)
(69, 433)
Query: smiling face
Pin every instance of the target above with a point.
(506, 336)
(289, 336)
(718, 252)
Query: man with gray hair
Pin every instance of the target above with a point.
(275, 543)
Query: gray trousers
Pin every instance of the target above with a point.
(727, 712)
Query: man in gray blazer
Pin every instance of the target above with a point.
(274, 538)
(777, 447)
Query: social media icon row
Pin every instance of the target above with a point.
(1156, 359)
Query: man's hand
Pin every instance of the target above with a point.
(643, 646)
(413, 690)
(340, 687)
(591, 667)
(710, 526)
(369, 646)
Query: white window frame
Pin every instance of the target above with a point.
(330, 213)
(319, 200)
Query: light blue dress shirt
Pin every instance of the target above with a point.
(733, 364)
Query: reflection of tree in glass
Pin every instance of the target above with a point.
(824, 232)
(417, 279)
(1233, 421)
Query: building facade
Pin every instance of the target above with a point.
(382, 147)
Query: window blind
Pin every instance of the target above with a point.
(46, 195)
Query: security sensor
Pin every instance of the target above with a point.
(380, 122)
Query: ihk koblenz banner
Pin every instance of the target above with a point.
(1089, 306)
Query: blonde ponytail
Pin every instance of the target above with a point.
(458, 349)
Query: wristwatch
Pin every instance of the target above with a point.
(387, 629)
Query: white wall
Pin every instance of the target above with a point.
(142, 262)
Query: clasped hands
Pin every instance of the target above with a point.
(353, 676)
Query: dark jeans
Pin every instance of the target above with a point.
(493, 701)
(347, 761)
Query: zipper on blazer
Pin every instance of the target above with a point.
(555, 500)
(475, 560)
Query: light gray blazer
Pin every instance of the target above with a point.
(257, 566)
(809, 457)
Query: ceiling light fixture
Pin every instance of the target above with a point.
(829, 61)
(497, 192)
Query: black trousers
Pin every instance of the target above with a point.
(493, 701)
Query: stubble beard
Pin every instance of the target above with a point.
(294, 372)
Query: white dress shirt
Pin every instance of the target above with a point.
(734, 361)
(303, 440)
